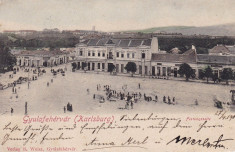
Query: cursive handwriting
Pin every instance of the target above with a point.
(204, 143)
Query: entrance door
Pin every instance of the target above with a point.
(140, 69)
(89, 65)
(110, 67)
(153, 70)
(93, 66)
(175, 72)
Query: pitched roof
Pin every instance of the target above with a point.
(179, 58)
(219, 59)
(231, 48)
(219, 49)
(117, 42)
(42, 53)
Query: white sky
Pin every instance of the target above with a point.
(113, 15)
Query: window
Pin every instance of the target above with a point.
(98, 53)
(143, 55)
(93, 53)
(98, 65)
(103, 55)
(117, 54)
(89, 53)
(128, 55)
(80, 53)
(122, 55)
(133, 55)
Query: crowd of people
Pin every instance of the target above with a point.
(130, 98)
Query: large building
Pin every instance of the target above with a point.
(100, 54)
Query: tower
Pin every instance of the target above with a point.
(154, 45)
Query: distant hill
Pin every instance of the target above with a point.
(216, 30)
(161, 29)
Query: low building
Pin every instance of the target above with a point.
(41, 58)
(168, 64)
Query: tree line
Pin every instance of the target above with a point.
(7, 60)
(185, 70)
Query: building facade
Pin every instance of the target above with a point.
(40, 58)
(100, 54)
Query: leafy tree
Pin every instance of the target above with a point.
(208, 73)
(227, 74)
(214, 77)
(131, 67)
(74, 66)
(201, 74)
(186, 70)
(7, 60)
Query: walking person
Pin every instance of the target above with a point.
(139, 85)
(12, 111)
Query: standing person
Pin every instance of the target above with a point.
(26, 108)
(94, 96)
(88, 91)
(13, 89)
(164, 99)
(132, 104)
(169, 100)
(71, 106)
(156, 98)
(12, 111)
(64, 109)
(196, 102)
(173, 100)
(68, 106)
(48, 84)
(139, 85)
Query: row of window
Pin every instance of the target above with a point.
(99, 54)
(118, 54)
(128, 55)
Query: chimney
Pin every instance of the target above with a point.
(193, 47)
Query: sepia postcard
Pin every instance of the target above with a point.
(117, 76)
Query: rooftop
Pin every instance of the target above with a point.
(42, 53)
(118, 42)
(219, 49)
